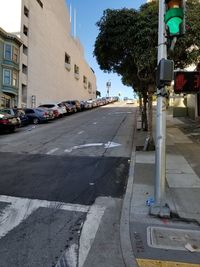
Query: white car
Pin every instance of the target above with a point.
(59, 110)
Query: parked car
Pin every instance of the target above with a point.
(69, 107)
(19, 112)
(38, 115)
(57, 109)
(8, 122)
(11, 111)
(88, 104)
(76, 103)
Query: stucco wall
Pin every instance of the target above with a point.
(48, 41)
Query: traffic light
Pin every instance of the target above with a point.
(175, 18)
(187, 82)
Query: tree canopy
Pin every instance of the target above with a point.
(127, 43)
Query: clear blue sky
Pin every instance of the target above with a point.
(88, 13)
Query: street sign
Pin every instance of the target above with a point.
(187, 82)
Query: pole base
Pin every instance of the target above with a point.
(162, 211)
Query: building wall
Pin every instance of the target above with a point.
(192, 106)
(9, 62)
(44, 76)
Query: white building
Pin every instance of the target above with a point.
(53, 67)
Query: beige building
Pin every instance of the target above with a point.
(52, 62)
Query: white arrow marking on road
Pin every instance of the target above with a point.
(111, 144)
(80, 132)
(52, 151)
(106, 145)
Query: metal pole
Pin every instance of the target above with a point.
(161, 116)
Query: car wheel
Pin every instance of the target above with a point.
(35, 121)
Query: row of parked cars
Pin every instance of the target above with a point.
(11, 118)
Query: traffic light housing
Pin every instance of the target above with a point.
(175, 18)
(186, 82)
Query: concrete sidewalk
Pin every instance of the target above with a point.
(174, 241)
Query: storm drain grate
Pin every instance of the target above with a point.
(171, 238)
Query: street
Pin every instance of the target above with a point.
(60, 182)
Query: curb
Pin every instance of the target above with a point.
(125, 240)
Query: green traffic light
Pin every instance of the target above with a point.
(173, 19)
(173, 25)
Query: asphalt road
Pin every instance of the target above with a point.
(61, 185)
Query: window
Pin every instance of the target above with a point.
(76, 69)
(6, 77)
(67, 58)
(67, 62)
(84, 79)
(40, 3)
(15, 54)
(8, 51)
(14, 79)
(25, 50)
(24, 93)
(24, 69)
(25, 30)
(89, 87)
(26, 11)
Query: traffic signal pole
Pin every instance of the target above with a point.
(160, 208)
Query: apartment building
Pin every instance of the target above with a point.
(52, 63)
(9, 69)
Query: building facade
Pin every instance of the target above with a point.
(52, 63)
(9, 69)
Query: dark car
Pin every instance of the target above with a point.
(8, 123)
(69, 107)
(76, 103)
(38, 115)
(21, 114)
(11, 111)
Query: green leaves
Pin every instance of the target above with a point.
(127, 43)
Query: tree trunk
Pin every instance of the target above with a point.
(149, 143)
(144, 112)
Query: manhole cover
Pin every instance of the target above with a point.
(171, 238)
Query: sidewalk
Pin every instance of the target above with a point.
(174, 241)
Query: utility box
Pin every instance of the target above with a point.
(165, 72)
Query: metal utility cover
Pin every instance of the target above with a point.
(171, 238)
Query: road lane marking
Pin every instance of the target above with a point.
(52, 151)
(80, 132)
(20, 208)
(109, 144)
(88, 233)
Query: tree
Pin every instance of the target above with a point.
(127, 45)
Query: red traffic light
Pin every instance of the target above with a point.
(187, 82)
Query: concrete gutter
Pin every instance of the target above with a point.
(125, 240)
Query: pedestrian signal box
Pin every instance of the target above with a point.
(187, 82)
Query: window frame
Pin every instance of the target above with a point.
(6, 51)
(67, 59)
(15, 80)
(15, 49)
(4, 77)
(76, 69)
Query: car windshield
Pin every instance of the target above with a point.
(47, 105)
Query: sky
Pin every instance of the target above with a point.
(88, 12)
